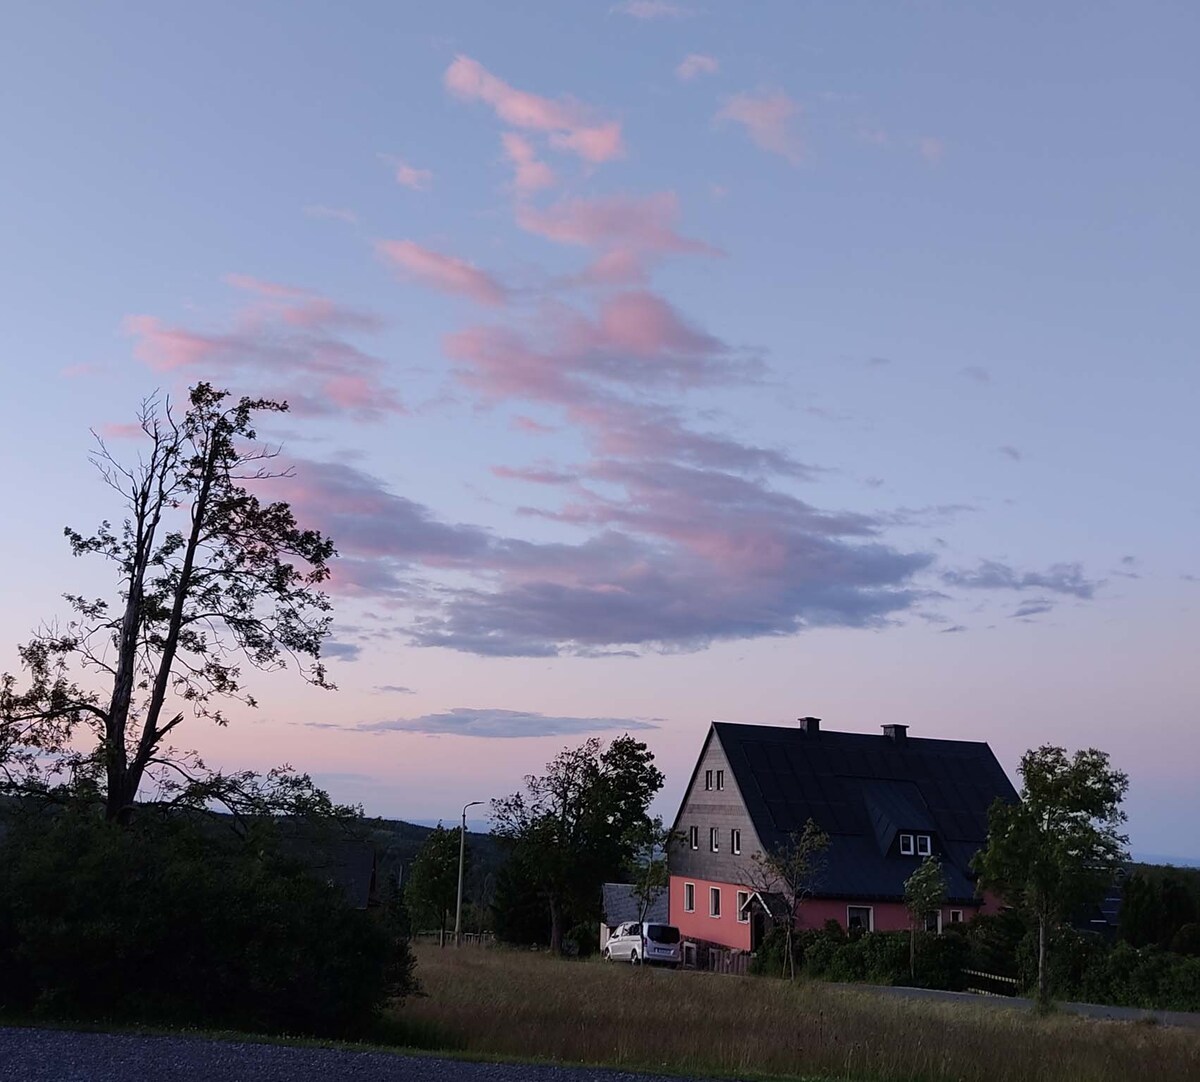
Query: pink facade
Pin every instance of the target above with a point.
(698, 922)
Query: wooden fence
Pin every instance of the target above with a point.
(991, 984)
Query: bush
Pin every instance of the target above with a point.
(167, 921)
(1187, 941)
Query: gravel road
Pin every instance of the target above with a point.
(50, 1055)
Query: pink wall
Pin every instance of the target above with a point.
(725, 929)
(730, 932)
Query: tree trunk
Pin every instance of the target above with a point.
(1042, 995)
(556, 928)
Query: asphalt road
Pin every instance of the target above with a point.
(55, 1055)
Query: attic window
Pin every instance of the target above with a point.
(924, 845)
(694, 837)
(708, 779)
(906, 845)
(735, 840)
(720, 779)
(714, 839)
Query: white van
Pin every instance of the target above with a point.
(654, 944)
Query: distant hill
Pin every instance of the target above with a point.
(398, 843)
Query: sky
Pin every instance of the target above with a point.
(649, 363)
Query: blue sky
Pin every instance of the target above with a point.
(651, 363)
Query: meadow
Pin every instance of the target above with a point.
(532, 1006)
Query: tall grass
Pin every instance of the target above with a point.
(531, 1005)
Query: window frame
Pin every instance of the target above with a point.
(908, 845)
(689, 897)
(870, 911)
(694, 837)
(708, 781)
(743, 899)
(714, 839)
(924, 845)
(714, 902)
(957, 916)
(938, 922)
(720, 780)
(735, 840)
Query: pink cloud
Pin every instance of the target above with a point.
(442, 272)
(528, 424)
(768, 120)
(931, 148)
(531, 175)
(632, 223)
(419, 180)
(285, 343)
(119, 430)
(570, 124)
(695, 64)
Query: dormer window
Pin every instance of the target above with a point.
(924, 845)
(906, 845)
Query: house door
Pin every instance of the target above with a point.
(758, 927)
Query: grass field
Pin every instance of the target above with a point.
(527, 1005)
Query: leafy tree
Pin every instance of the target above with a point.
(208, 578)
(791, 870)
(1155, 904)
(432, 889)
(1060, 847)
(924, 892)
(649, 872)
(578, 825)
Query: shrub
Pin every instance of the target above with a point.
(1187, 940)
(167, 921)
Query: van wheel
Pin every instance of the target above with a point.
(634, 959)
(607, 955)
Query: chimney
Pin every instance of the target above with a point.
(897, 733)
(812, 726)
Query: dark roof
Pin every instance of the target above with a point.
(619, 904)
(862, 790)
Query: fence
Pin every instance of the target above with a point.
(715, 959)
(991, 984)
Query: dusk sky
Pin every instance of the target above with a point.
(649, 363)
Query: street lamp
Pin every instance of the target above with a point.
(462, 854)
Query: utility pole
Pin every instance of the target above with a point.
(462, 856)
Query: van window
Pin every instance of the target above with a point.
(662, 933)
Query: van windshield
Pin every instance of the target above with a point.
(662, 933)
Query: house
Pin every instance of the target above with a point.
(886, 801)
(619, 903)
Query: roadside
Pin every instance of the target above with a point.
(1098, 1011)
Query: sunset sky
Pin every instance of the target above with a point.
(649, 363)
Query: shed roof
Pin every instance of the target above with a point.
(620, 904)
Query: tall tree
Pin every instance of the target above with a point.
(432, 888)
(791, 870)
(579, 824)
(208, 578)
(1061, 846)
(924, 892)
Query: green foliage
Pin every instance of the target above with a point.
(1156, 903)
(1061, 846)
(1187, 941)
(575, 827)
(179, 922)
(924, 892)
(883, 958)
(431, 892)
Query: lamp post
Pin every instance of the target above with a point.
(462, 854)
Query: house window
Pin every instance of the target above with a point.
(694, 837)
(708, 779)
(933, 921)
(735, 841)
(924, 845)
(714, 901)
(742, 898)
(714, 839)
(720, 779)
(860, 916)
(906, 845)
(689, 897)
(956, 916)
